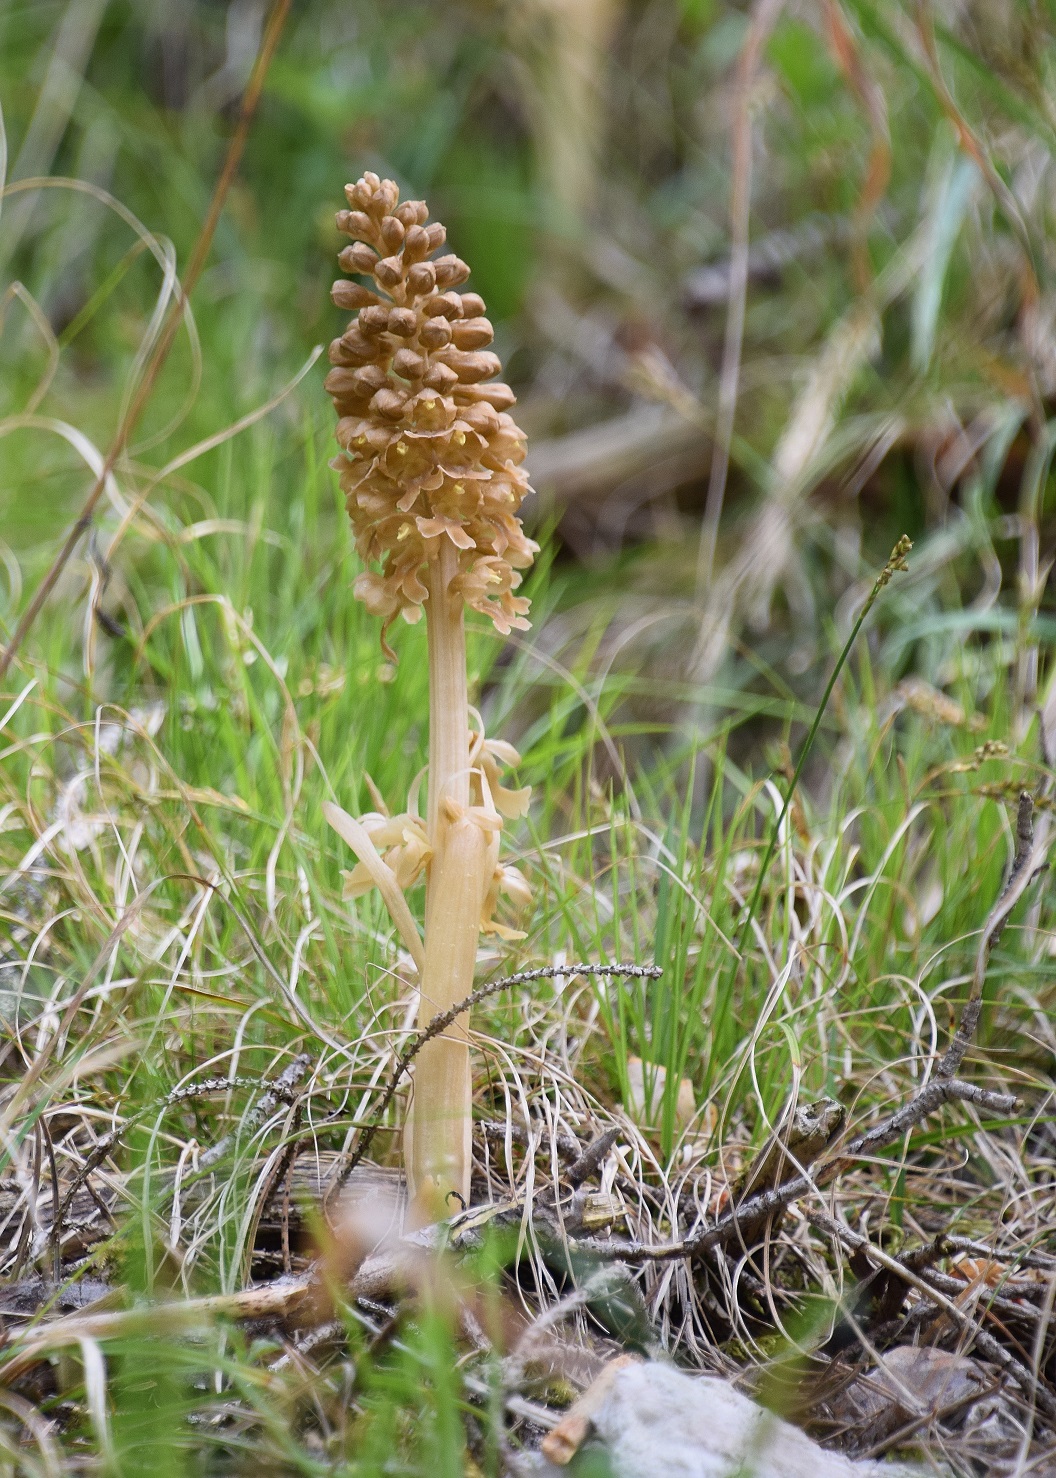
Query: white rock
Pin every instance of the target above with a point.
(658, 1421)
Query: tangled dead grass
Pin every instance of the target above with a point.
(130, 935)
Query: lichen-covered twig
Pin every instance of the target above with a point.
(443, 1020)
(280, 1089)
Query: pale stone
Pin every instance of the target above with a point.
(655, 1420)
(644, 1107)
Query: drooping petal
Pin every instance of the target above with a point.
(358, 838)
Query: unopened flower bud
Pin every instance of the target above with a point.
(473, 333)
(352, 295)
(340, 381)
(421, 279)
(389, 271)
(470, 367)
(341, 353)
(357, 223)
(369, 379)
(501, 397)
(450, 271)
(357, 345)
(403, 322)
(358, 258)
(408, 364)
(444, 305)
(412, 212)
(440, 377)
(416, 245)
(386, 195)
(375, 319)
(435, 333)
(389, 403)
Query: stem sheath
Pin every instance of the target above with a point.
(437, 1146)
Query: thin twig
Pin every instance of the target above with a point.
(56, 1251)
(277, 1175)
(281, 1088)
(765, 1204)
(592, 1157)
(567, 1146)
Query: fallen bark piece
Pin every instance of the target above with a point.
(654, 1419)
(561, 1445)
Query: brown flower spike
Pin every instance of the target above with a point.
(433, 482)
(431, 454)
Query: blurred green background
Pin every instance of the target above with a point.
(580, 153)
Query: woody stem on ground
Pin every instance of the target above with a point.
(437, 1142)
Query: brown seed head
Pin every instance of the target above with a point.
(429, 451)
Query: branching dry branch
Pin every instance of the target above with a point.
(925, 1284)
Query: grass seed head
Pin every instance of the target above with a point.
(430, 453)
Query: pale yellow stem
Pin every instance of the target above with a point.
(437, 1147)
(448, 695)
